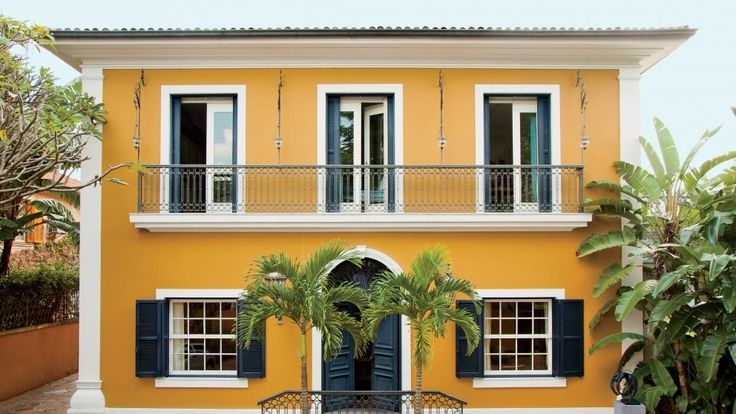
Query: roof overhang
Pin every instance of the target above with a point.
(416, 48)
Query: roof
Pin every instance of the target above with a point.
(375, 46)
(471, 31)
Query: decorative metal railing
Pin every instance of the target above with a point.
(361, 402)
(360, 189)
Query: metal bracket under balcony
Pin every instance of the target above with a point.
(360, 198)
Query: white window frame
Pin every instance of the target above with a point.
(173, 336)
(547, 336)
(397, 90)
(167, 91)
(516, 381)
(481, 93)
(204, 381)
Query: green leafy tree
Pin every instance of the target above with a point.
(307, 298)
(678, 219)
(43, 130)
(426, 296)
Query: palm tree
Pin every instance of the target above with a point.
(426, 296)
(307, 298)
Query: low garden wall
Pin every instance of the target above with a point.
(36, 355)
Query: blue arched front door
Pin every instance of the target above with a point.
(380, 368)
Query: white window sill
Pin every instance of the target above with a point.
(178, 222)
(522, 382)
(199, 382)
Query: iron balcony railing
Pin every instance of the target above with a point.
(361, 402)
(360, 189)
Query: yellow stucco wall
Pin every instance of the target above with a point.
(135, 262)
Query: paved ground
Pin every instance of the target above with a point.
(49, 398)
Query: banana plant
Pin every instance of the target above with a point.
(678, 220)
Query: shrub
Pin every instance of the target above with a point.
(47, 293)
(64, 252)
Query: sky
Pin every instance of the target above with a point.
(691, 90)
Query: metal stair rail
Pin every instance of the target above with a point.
(361, 402)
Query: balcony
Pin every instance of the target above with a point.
(361, 402)
(360, 198)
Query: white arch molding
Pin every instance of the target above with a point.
(366, 252)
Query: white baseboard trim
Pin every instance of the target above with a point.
(570, 410)
(182, 410)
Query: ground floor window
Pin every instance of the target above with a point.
(201, 337)
(517, 336)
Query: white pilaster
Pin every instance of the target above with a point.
(629, 128)
(88, 398)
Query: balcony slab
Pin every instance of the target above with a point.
(369, 222)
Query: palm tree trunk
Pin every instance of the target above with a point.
(681, 375)
(418, 406)
(305, 386)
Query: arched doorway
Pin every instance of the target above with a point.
(380, 367)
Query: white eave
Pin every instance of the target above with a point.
(603, 49)
(338, 222)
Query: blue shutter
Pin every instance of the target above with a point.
(339, 373)
(545, 152)
(150, 338)
(251, 361)
(468, 365)
(175, 156)
(234, 160)
(567, 338)
(332, 196)
(391, 148)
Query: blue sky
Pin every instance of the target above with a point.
(691, 90)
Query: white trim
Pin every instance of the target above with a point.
(182, 222)
(392, 265)
(165, 138)
(183, 410)
(199, 382)
(88, 397)
(520, 293)
(397, 90)
(522, 382)
(553, 90)
(197, 293)
(541, 410)
(630, 151)
(557, 410)
(587, 50)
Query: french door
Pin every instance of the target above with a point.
(363, 146)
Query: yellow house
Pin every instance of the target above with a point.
(392, 139)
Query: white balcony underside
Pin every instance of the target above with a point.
(341, 222)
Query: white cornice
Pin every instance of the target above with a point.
(360, 222)
(504, 52)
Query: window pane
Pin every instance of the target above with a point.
(508, 309)
(213, 327)
(540, 309)
(196, 327)
(540, 362)
(228, 346)
(508, 345)
(179, 326)
(495, 323)
(347, 127)
(501, 134)
(213, 362)
(228, 326)
(212, 346)
(494, 346)
(212, 310)
(179, 346)
(524, 346)
(495, 362)
(196, 310)
(508, 326)
(540, 326)
(223, 130)
(228, 309)
(525, 326)
(495, 309)
(180, 309)
(228, 362)
(196, 362)
(508, 362)
(540, 345)
(524, 362)
(525, 309)
(178, 362)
